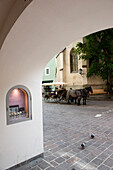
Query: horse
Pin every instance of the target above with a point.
(78, 94)
(73, 95)
(62, 94)
(85, 93)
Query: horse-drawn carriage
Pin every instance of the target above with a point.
(52, 92)
(69, 96)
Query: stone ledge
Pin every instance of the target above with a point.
(28, 161)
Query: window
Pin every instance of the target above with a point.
(18, 105)
(73, 61)
(47, 71)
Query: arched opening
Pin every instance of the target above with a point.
(67, 126)
(18, 105)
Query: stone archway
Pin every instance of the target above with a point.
(42, 30)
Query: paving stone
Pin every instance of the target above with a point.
(79, 165)
(66, 156)
(109, 162)
(43, 165)
(53, 163)
(62, 146)
(103, 167)
(97, 152)
(85, 151)
(55, 149)
(97, 161)
(82, 163)
(87, 160)
(111, 156)
(108, 151)
(72, 160)
(71, 153)
(50, 158)
(103, 156)
(50, 168)
(90, 148)
(56, 154)
(81, 155)
(52, 146)
(67, 149)
(25, 167)
(101, 148)
(98, 143)
(59, 160)
(35, 168)
(90, 166)
(74, 167)
(91, 156)
(108, 143)
(47, 153)
(63, 166)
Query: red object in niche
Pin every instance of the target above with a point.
(17, 97)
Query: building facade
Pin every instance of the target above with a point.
(73, 71)
(49, 74)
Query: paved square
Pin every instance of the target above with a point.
(66, 127)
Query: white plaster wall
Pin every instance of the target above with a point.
(44, 29)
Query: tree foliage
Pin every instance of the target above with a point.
(98, 48)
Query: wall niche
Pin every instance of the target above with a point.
(18, 105)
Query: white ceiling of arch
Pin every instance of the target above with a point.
(10, 10)
(79, 7)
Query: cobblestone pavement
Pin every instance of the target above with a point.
(66, 127)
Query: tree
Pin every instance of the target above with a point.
(98, 48)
